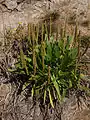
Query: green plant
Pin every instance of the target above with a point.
(50, 66)
(48, 62)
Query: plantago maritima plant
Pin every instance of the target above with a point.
(50, 65)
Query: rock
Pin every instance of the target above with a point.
(10, 4)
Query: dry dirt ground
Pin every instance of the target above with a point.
(14, 11)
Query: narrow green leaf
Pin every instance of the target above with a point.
(69, 41)
(70, 83)
(32, 91)
(49, 51)
(56, 51)
(25, 85)
(73, 53)
(11, 70)
(56, 86)
(51, 100)
(45, 96)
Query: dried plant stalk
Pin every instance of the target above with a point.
(50, 26)
(75, 35)
(78, 42)
(43, 53)
(57, 32)
(37, 33)
(34, 55)
(61, 32)
(29, 33)
(46, 30)
(43, 47)
(42, 31)
(64, 31)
